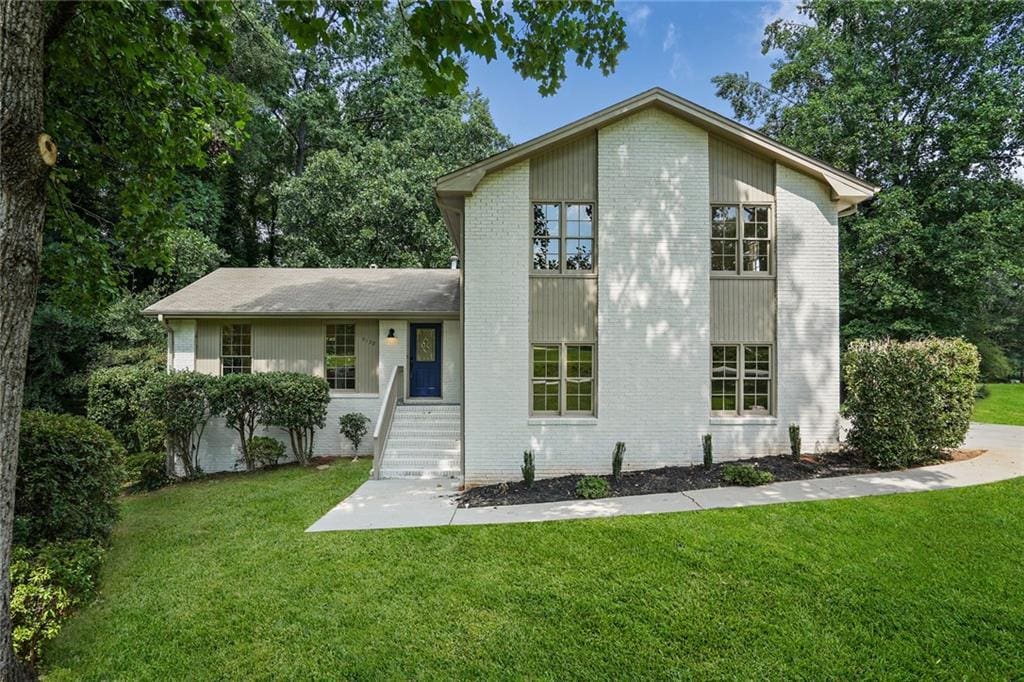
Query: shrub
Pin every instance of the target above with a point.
(529, 468)
(242, 400)
(46, 586)
(116, 403)
(181, 401)
(147, 470)
(981, 391)
(69, 476)
(705, 442)
(994, 366)
(592, 487)
(618, 454)
(297, 403)
(265, 451)
(353, 426)
(908, 400)
(794, 441)
(745, 474)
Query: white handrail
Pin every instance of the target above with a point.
(384, 418)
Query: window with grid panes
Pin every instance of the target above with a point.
(340, 357)
(236, 349)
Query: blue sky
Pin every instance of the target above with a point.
(676, 45)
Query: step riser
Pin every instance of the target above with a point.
(425, 442)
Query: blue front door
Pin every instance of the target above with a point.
(425, 360)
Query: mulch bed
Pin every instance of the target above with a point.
(678, 479)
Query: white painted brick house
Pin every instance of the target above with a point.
(648, 274)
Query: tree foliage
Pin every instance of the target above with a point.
(924, 100)
(298, 404)
(181, 401)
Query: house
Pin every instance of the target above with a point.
(648, 274)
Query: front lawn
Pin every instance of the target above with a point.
(216, 580)
(1004, 405)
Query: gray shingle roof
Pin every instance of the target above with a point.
(314, 291)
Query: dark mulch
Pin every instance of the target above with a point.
(667, 479)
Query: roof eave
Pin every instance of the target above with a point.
(465, 180)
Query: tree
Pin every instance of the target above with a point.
(923, 99)
(128, 91)
(298, 404)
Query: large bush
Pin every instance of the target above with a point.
(181, 401)
(242, 399)
(116, 402)
(907, 401)
(297, 403)
(47, 584)
(69, 475)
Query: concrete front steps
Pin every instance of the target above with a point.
(424, 443)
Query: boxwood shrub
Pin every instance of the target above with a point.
(69, 476)
(298, 404)
(907, 401)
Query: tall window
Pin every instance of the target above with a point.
(741, 248)
(236, 349)
(563, 379)
(741, 379)
(563, 237)
(547, 379)
(340, 357)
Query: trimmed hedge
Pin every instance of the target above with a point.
(116, 402)
(242, 400)
(298, 404)
(69, 476)
(181, 401)
(908, 401)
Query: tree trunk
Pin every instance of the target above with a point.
(24, 157)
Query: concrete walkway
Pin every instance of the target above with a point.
(406, 504)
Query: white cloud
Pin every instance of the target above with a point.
(670, 38)
(781, 9)
(637, 17)
(680, 69)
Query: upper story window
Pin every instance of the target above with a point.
(340, 356)
(563, 237)
(236, 349)
(741, 239)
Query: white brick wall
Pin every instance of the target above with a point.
(653, 321)
(183, 345)
(808, 305)
(220, 445)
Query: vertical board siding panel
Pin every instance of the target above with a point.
(742, 311)
(737, 175)
(208, 347)
(563, 309)
(567, 173)
(367, 356)
(288, 346)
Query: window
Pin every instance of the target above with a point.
(562, 370)
(579, 379)
(546, 378)
(741, 379)
(563, 237)
(340, 357)
(740, 249)
(236, 349)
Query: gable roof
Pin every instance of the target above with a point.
(314, 292)
(847, 189)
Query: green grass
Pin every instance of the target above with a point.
(216, 580)
(1004, 405)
